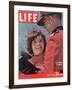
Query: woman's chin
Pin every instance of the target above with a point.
(37, 54)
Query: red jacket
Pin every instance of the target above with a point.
(53, 60)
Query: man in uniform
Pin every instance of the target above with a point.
(53, 60)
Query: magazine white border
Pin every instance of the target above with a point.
(16, 67)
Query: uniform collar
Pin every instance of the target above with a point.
(57, 29)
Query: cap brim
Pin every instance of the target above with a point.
(41, 22)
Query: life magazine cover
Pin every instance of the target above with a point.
(40, 44)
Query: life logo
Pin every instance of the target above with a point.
(27, 17)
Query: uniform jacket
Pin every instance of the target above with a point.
(53, 59)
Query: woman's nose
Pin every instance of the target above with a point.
(38, 43)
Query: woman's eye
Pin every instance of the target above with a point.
(34, 42)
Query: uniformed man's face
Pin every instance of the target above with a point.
(38, 45)
(51, 22)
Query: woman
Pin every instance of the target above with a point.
(36, 47)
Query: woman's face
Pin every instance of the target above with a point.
(38, 45)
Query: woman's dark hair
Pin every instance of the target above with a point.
(31, 36)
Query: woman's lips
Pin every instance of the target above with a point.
(37, 48)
